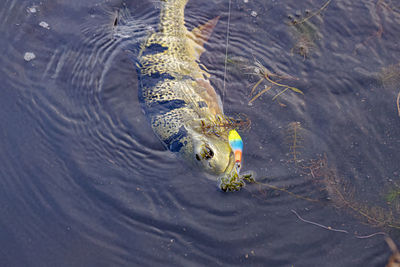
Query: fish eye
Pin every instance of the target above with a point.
(208, 152)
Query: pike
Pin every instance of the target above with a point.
(183, 108)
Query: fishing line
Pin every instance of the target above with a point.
(226, 50)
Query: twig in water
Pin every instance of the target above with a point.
(371, 235)
(337, 230)
(319, 225)
(260, 93)
(283, 85)
(255, 86)
(278, 94)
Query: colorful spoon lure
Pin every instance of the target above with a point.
(236, 143)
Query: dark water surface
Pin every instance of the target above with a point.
(85, 182)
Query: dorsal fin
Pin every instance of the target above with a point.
(201, 34)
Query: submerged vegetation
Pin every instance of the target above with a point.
(393, 196)
(305, 33)
(304, 46)
(338, 191)
(343, 195)
(309, 15)
(390, 76)
(222, 124)
(294, 140)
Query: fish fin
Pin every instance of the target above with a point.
(201, 34)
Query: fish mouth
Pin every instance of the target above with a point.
(231, 165)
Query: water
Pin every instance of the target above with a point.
(84, 181)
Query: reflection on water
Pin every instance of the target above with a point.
(85, 182)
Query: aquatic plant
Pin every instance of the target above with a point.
(265, 75)
(224, 123)
(305, 33)
(393, 195)
(390, 76)
(304, 46)
(234, 181)
(309, 15)
(294, 140)
(343, 194)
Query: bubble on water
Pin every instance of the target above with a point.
(29, 56)
(32, 9)
(44, 24)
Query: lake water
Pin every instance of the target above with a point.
(85, 182)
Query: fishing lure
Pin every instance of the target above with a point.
(236, 143)
(234, 180)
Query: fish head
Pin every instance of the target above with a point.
(214, 154)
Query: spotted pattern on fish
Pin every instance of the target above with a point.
(174, 89)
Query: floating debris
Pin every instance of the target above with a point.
(29, 56)
(44, 24)
(32, 9)
(264, 74)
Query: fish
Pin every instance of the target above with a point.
(182, 106)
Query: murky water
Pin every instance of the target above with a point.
(85, 182)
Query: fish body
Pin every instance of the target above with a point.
(183, 108)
